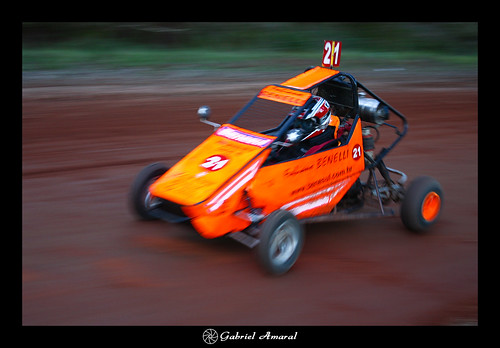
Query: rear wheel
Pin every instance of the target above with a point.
(422, 204)
(141, 200)
(281, 241)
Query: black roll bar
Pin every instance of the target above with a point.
(400, 133)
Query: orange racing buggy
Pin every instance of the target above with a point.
(250, 180)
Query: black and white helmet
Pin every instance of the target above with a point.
(311, 122)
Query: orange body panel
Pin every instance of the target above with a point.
(284, 95)
(205, 169)
(308, 186)
(218, 215)
(311, 185)
(310, 78)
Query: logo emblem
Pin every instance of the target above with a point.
(210, 336)
(214, 163)
(356, 152)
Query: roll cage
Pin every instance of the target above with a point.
(340, 89)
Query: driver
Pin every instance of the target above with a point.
(312, 128)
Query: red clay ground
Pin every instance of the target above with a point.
(87, 261)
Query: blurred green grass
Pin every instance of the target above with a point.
(252, 46)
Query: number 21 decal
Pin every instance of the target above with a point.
(356, 152)
(331, 53)
(214, 163)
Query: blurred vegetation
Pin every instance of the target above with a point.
(244, 45)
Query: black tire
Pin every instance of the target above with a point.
(281, 241)
(139, 197)
(422, 204)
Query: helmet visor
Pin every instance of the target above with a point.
(308, 125)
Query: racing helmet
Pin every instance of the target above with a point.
(311, 122)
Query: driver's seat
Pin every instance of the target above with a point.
(334, 122)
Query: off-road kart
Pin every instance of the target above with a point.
(234, 184)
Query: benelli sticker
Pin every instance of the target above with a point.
(284, 95)
(242, 137)
(215, 162)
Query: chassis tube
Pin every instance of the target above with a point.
(400, 134)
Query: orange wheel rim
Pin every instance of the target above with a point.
(431, 206)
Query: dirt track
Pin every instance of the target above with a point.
(87, 261)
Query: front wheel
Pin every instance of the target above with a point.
(281, 241)
(141, 201)
(422, 204)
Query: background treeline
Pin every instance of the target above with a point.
(176, 42)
